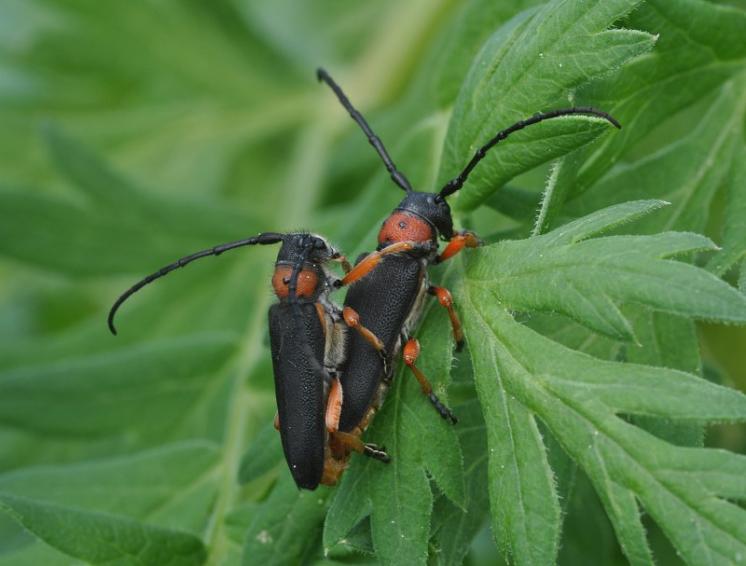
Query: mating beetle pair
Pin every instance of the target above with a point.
(329, 382)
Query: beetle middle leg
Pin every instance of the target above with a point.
(352, 319)
(342, 260)
(410, 353)
(446, 300)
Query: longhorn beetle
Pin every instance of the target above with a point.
(391, 296)
(308, 342)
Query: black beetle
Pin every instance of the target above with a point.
(390, 297)
(308, 337)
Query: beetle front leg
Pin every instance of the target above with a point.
(410, 353)
(342, 260)
(371, 260)
(446, 300)
(460, 240)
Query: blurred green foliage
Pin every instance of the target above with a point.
(132, 133)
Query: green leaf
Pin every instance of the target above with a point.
(474, 23)
(183, 227)
(285, 527)
(544, 274)
(588, 534)
(172, 487)
(455, 527)
(525, 68)
(264, 454)
(358, 541)
(686, 173)
(578, 396)
(86, 405)
(670, 341)
(515, 203)
(685, 67)
(103, 539)
(526, 512)
(734, 231)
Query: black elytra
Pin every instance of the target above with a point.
(298, 344)
(389, 298)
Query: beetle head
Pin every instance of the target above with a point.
(432, 208)
(305, 253)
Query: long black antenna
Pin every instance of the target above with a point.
(457, 182)
(396, 175)
(263, 239)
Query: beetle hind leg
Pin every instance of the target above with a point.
(411, 353)
(377, 453)
(353, 442)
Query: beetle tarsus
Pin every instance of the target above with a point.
(377, 453)
(443, 411)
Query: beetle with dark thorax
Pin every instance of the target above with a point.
(308, 338)
(390, 297)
